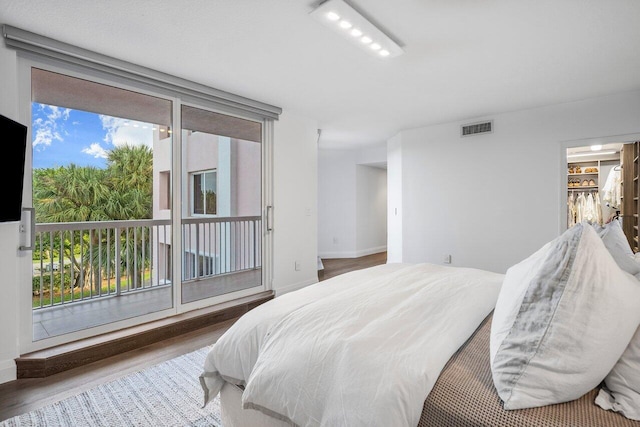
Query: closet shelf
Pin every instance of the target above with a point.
(583, 187)
(580, 174)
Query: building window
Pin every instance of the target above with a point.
(204, 193)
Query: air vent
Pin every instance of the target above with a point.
(476, 128)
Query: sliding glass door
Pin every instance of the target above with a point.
(100, 255)
(221, 204)
(143, 206)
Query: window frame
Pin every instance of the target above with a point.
(192, 193)
(181, 92)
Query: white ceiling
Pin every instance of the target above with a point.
(464, 58)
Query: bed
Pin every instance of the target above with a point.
(414, 344)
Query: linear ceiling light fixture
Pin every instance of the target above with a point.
(344, 19)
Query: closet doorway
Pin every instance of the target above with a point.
(594, 191)
(602, 185)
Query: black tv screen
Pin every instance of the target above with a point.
(14, 137)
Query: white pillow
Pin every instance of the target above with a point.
(563, 318)
(618, 245)
(622, 386)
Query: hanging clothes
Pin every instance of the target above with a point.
(590, 209)
(571, 210)
(612, 190)
(581, 207)
(584, 207)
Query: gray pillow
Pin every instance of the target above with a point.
(618, 246)
(563, 318)
(622, 386)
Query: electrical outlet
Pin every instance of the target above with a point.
(297, 265)
(447, 259)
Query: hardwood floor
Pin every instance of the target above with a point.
(336, 266)
(24, 395)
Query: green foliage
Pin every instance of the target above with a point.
(122, 191)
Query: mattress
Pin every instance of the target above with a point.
(464, 396)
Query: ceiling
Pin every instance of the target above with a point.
(586, 154)
(463, 58)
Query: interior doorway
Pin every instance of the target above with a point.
(602, 185)
(594, 191)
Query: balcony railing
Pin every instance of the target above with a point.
(74, 262)
(215, 246)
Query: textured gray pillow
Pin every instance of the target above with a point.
(616, 242)
(622, 386)
(563, 318)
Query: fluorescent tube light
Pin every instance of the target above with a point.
(595, 153)
(339, 16)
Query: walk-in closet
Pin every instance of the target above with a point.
(602, 185)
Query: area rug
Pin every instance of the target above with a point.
(167, 394)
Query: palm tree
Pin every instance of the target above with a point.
(130, 176)
(71, 194)
(130, 170)
(122, 191)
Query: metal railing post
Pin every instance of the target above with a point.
(255, 244)
(117, 262)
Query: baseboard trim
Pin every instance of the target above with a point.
(371, 251)
(353, 254)
(294, 287)
(43, 363)
(8, 371)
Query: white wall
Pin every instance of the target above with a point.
(371, 210)
(491, 200)
(336, 203)
(351, 202)
(295, 200)
(9, 273)
(394, 199)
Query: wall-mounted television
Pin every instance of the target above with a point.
(14, 138)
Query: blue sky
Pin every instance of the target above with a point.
(61, 136)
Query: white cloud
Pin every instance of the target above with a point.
(45, 135)
(96, 151)
(47, 131)
(123, 131)
(57, 112)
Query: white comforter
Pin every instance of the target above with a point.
(361, 349)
